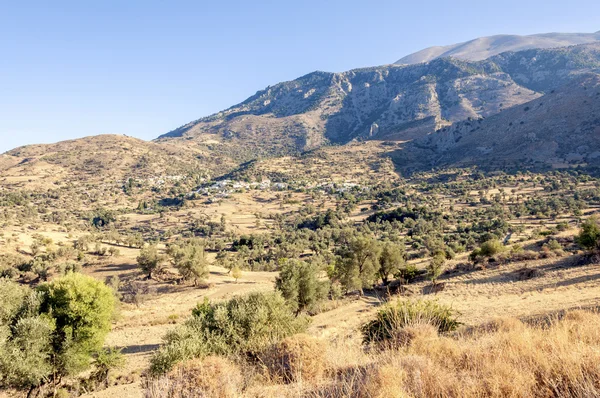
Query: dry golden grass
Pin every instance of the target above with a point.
(503, 358)
(212, 377)
(508, 359)
(296, 359)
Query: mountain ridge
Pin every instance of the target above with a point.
(398, 102)
(484, 47)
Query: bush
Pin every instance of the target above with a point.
(296, 358)
(106, 360)
(407, 273)
(394, 317)
(242, 325)
(589, 236)
(489, 248)
(554, 245)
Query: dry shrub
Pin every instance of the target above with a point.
(527, 273)
(296, 358)
(212, 377)
(408, 334)
(558, 357)
(349, 381)
(525, 255)
(546, 253)
(513, 360)
(394, 318)
(505, 358)
(576, 316)
(407, 376)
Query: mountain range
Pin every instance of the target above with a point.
(485, 47)
(390, 102)
(446, 106)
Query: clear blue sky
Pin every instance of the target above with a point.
(75, 68)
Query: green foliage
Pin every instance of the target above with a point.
(359, 263)
(102, 218)
(242, 325)
(554, 245)
(489, 248)
(11, 297)
(190, 260)
(52, 331)
(68, 267)
(149, 260)
(25, 338)
(299, 285)
(407, 273)
(106, 360)
(25, 354)
(436, 267)
(394, 317)
(82, 309)
(236, 272)
(391, 260)
(589, 236)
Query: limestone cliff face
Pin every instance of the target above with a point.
(391, 102)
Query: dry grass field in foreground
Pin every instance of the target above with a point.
(502, 358)
(493, 354)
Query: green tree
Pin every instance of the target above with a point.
(82, 308)
(436, 267)
(52, 331)
(298, 284)
(589, 236)
(103, 217)
(359, 263)
(391, 260)
(236, 273)
(190, 260)
(149, 260)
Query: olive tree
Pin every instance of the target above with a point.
(149, 260)
(190, 260)
(589, 236)
(359, 263)
(391, 260)
(299, 285)
(52, 331)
